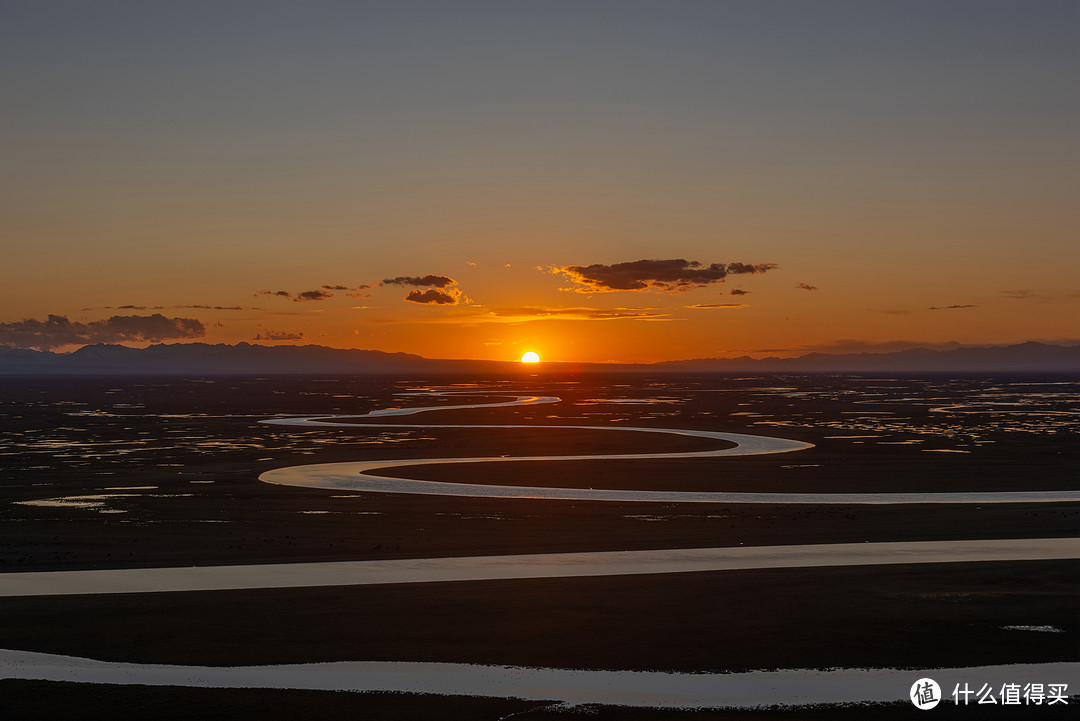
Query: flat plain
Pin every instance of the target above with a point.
(147, 472)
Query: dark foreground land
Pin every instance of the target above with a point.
(107, 473)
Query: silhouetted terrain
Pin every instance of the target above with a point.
(245, 358)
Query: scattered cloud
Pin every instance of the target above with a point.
(426, 281)
(447, 293)
(739, 291)
(433, 296)
(163, 307)
(520, 314)
(58, 331)
(1019, 294)
(664, 275)
(309, 295)
(951, 307)
(316, 295)
(210, 307)
(805, 286)
(266, 334)
(713, 306)
(126, 307)
(525, 314)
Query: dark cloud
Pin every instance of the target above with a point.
(950, 307)
(427, 281)
(711, 306)
(359, 295)
(275, 335)
(312, 295)
(211, 307)
(432, 296)
(739, 291)
(58, 331)
(666, 275)
(448, 295)
(320, 294)
(805, 286)
(163, 307)
(526, 313)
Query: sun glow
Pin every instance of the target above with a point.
(530, 357)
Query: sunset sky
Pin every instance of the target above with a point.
(594, 181)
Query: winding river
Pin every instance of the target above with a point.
(676, 690)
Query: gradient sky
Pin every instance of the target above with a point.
(898, 173)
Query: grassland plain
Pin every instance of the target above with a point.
(107, 473)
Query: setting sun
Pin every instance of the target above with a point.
(530, 357)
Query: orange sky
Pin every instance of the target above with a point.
(897, 174)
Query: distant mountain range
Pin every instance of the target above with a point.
(247, 359)
(1023, 357)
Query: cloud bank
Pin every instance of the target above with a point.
(441, 289)
(426, 281)
(432, 296)
(57, 331)
(675, 274)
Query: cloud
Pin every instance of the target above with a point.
(449, 295)
(520, 314)
(664, 275)
(312, 295)
(525, 314)
(712, 306)
(739, 291)
(432, 296)
(210, 307)
(336, 287)
(58, 331)
(950, 307)
(1019, 294)
(163, 307)
(427, 281)
(265, 333)
(806, 286)
(282, 293)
